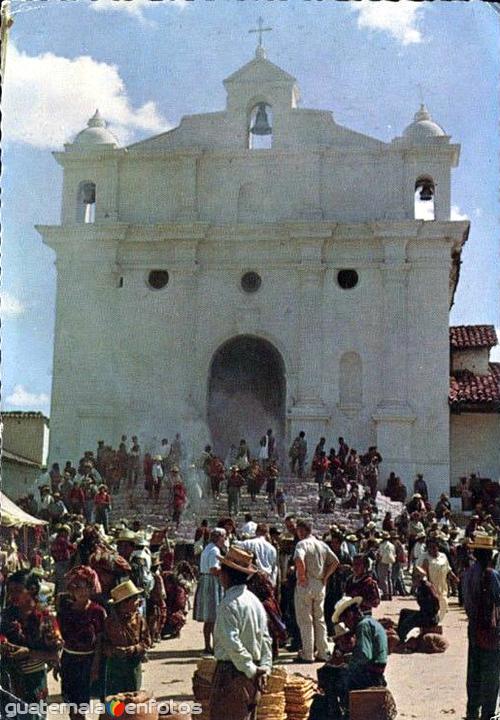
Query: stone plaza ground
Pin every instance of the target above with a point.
(425, 687)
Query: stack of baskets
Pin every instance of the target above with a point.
(299, 694)
(272, 702)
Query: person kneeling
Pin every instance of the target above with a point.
(366, 665)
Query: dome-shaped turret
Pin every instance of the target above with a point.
(423, 127)
(95, 133)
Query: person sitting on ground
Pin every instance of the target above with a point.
(365, 667)
(427, 614)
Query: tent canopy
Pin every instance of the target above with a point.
(12, 515)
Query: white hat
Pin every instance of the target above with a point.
(344, 604)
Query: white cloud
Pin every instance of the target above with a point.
(399, 19)
(457, 214)
(22, 398)
(11, 306)
(137, 7)
(49, 98)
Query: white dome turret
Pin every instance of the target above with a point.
(423, 127)
(96, 133)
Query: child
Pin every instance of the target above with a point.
(280, 502)
(272, 477)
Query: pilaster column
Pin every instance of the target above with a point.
(188, 200)
(394, 416)
(395, 373)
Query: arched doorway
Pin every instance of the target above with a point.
(246, 393)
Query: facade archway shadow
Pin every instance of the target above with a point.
(246, 393)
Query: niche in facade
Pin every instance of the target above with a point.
(260, 127)
(424, 198)
(351, 380)
(86, 202)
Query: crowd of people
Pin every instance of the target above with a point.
(260, 590)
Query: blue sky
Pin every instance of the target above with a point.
(146, 63)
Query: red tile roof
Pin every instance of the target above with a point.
(465, 337)
(475, 392)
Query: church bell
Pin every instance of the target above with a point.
(261, 125)
(426, 188)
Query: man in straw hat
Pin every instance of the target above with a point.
(126, 640)
(481, 592)
(367, 663)
(242, 644)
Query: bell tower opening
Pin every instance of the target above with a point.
(246, 394)
(260, 129)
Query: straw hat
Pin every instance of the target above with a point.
(339, 630)
(126, 535)
(124, 591)
(352, 538)
(482, 541)
(344, 604)
(158, 458)
(238, 559)
(175, 469)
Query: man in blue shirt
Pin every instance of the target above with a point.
(366, 665)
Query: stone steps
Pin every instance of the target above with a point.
(302, 500)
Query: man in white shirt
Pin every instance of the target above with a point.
(386, 557)
(242, 644)
(266, 557)
(314, 563)
(250, 527)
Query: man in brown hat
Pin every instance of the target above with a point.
(481, 592)
(242, 644)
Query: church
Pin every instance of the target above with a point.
(258, 267)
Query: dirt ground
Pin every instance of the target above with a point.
(425, 687)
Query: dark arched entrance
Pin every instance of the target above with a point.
(246, 393)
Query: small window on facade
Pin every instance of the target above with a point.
(260, 130)
(158, 279)
(251, 282)
(86, 202)
(347, 279)
(424, 198)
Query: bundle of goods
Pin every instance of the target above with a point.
(374, 703)
(202, 684)
(272, 702)
(393, 641)
(299, 694)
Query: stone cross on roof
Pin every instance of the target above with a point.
(261, 29)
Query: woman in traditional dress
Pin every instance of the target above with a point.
(436, 566)
(209, 591)
(81, 622)
(262, 587)
(177, 598)
(126, 640)
(156, 607)
(31, 639)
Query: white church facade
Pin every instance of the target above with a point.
(257, 267)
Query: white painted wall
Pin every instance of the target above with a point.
(475, 445)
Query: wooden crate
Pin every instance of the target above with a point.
(372, 704)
